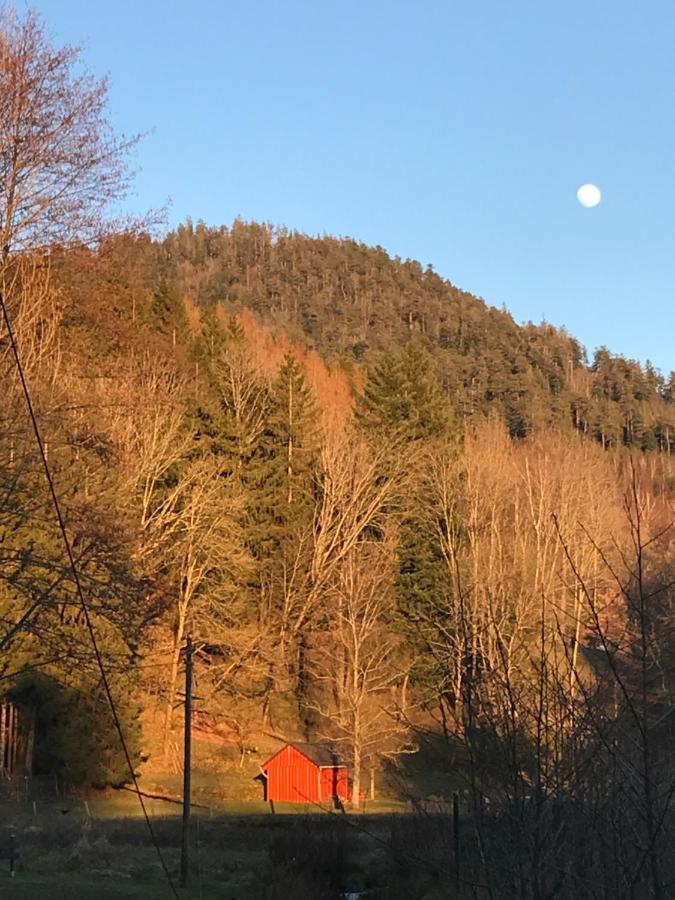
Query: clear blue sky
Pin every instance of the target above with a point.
(455, 132)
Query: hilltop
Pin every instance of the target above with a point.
(349, 301)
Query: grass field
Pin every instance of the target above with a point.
(100, 848)
(64, 887)
(124, 804)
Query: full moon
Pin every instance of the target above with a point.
(588, 195)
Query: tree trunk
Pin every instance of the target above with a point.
(356, 776)
(289, 472)
(18, 723)
(302, 687)
(30, 743)
(10, 736)
(404, 692)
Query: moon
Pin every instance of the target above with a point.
(589, 195)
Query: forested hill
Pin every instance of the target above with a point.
(349, 301)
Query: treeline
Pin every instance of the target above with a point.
(349, 301)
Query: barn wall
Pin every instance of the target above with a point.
(292, 778)
(334, 783)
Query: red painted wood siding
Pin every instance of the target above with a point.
(292, 778)
(334, 783)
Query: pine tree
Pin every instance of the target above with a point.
(402, 402)
(423, 591)
(167, 312)
(402, 397)
(279, 478)
(281, 469)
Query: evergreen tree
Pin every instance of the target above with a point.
(402, 397)
(281, 469)
(280, 478)
(423, 593)
(167, 311)
(402, 401)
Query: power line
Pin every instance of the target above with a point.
(78, 587)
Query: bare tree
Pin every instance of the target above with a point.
(202, 557)
(361, 661)
(36, 311)
(242, 389)
(61, 165)
(556, 645)
(143, 408)
(631, 632)
(61, 168)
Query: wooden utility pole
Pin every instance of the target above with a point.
(455, 836)
(187, 765)
(3, 737)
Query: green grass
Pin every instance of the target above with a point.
(100, 847)
(124, 804)
(64, 887)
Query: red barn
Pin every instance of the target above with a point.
(300, 773)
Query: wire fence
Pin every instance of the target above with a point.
(31, 789)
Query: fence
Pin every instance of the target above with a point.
(30, 789)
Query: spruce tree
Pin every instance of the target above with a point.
(280, 478)
(281, 470)
(402, 397)
(167, 312)
(403, 404)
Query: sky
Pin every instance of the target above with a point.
(455, 132)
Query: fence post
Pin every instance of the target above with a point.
(11, 853)
(187, 766)
(3, 736)
(455, 835)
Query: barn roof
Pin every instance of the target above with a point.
(320, 754)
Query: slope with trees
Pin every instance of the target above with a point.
(386, 514)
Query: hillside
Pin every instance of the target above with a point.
(349, 301)
(363, 494)
(340, 504)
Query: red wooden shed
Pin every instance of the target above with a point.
(301, 773)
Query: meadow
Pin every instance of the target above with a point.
(101, 847)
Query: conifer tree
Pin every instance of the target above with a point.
(280, 482)
(282, 466)
(167, 312)
(402, 397)
(402, 402)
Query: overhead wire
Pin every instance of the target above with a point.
(79, 590)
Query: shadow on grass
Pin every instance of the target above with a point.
(437, 770)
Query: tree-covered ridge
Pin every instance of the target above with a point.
(352, 301)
